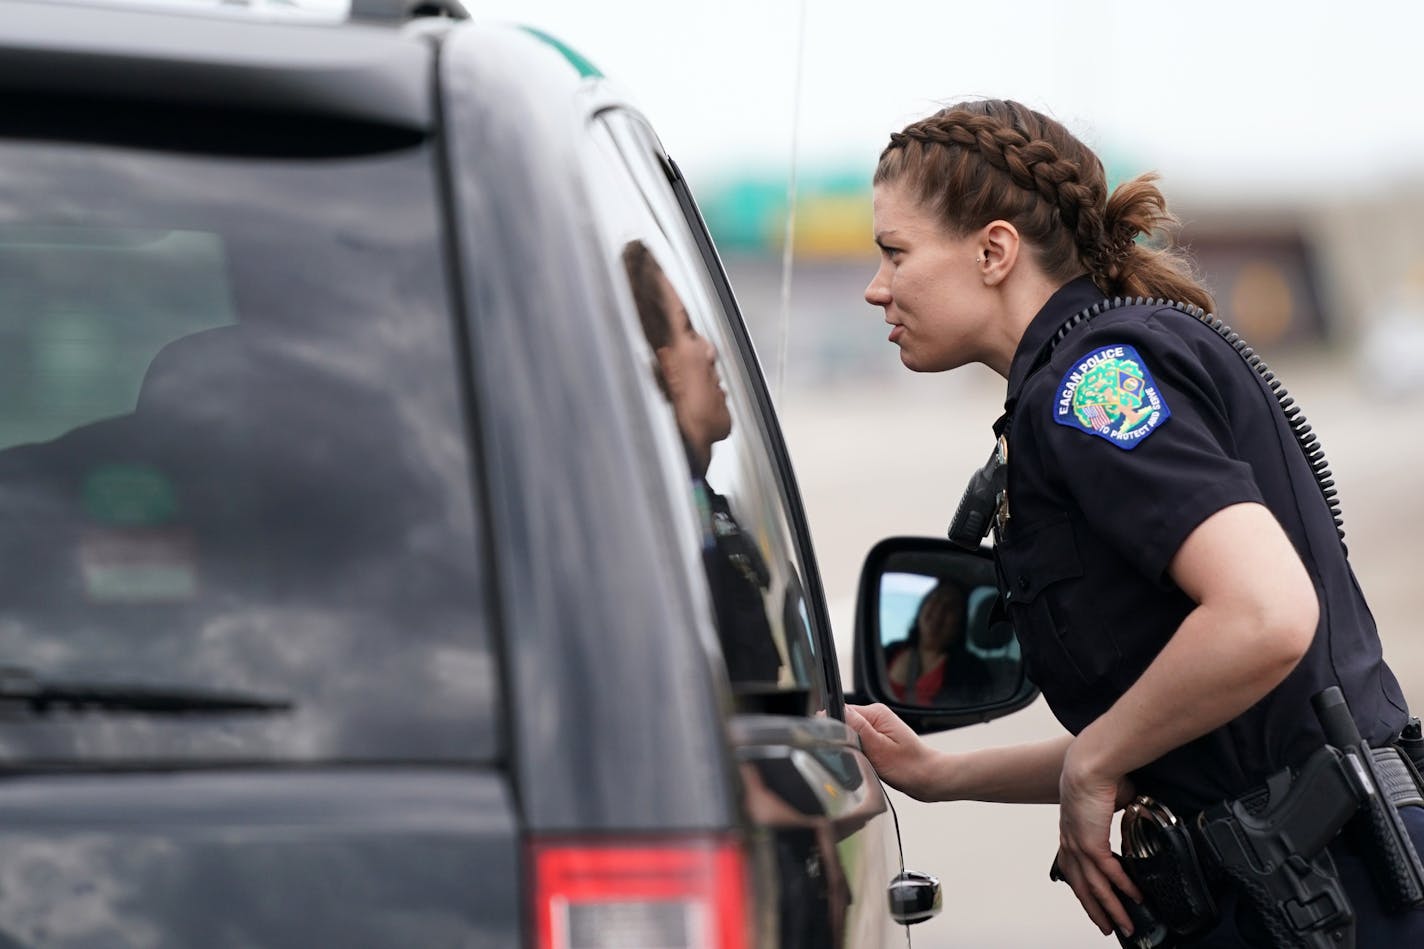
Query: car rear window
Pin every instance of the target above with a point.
(235, 490)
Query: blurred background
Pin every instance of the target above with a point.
(1287, 140)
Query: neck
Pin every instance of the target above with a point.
(697, 458)
(1023, 294)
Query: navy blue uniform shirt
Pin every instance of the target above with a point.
(1142, 424)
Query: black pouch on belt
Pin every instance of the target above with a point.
(1159, 856)
(1411, 742)
(1382, 836)
(1388, 781)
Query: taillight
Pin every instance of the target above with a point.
(688, 893)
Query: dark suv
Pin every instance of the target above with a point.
(399, 546)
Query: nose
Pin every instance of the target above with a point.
(709, 352)
(877, 293)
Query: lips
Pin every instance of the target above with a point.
(896, 332)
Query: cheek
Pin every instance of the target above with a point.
(937, 297)
(689, 359)
(913, 285)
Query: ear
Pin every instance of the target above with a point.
(998, 247)
(655, 364)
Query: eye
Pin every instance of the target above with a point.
(891, 253)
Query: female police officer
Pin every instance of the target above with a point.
(1170, 560)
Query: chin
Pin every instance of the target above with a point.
(932, 363)
(913, 364)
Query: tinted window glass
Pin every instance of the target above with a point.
(754, 572)
(232, 462)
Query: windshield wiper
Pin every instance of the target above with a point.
(21, 687)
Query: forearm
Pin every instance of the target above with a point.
(1015, 774)
(1214, 668)
(1255, 617)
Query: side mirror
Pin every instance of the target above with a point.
(914, 898)
(932, 639)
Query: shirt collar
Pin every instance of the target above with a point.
(1074, 296)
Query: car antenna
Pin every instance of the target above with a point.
(788, 241)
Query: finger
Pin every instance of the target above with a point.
(872, 741)
(862, 727)
(1109, 902)
(1108, 899)
(1111, 867)
(876, 724)
(878, 715)
(1082, 889)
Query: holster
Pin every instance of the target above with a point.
(1272, 842)
(1271, 846)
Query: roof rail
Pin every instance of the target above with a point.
(400, 11)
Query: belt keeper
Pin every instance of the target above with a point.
(1398, 779)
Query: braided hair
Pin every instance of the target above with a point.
(995, 159)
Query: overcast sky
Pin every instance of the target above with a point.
(1237, 97)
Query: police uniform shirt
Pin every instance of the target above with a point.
(1142, 424)
(737, 577)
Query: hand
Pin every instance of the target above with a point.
(901, 758)
(1086, 801)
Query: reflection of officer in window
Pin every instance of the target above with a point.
(686, 370)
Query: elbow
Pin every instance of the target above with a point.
(1286, 628)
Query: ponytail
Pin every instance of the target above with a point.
(1121, 266)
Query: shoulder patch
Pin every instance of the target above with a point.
(1110, 393)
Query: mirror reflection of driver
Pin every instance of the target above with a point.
(932, 665)
(686, 371)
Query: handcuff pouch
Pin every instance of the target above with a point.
(1159, 856)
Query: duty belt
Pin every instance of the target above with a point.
(1270, 845)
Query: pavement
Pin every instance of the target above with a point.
(891, 454)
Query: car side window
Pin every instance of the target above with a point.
(755, 575)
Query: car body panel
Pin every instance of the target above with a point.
(634, 683)
(357, 73)
(824, 818)
(339, 857)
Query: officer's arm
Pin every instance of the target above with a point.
(1017, 774)
(1255, 617)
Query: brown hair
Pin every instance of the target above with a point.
(981, 161)
(643, 273)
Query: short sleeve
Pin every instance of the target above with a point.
(1139, 432)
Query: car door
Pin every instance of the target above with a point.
(824, 841)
